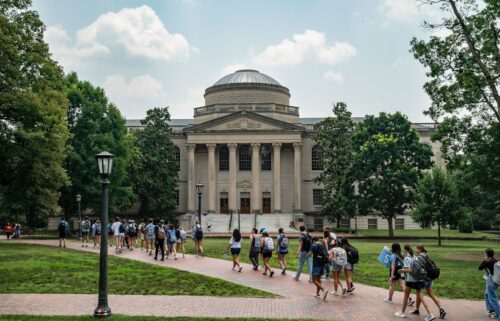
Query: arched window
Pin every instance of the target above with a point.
(177, 156)
(317, 164)
(245, 158)
(265, 156)
(223, 158)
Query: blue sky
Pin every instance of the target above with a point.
(165, 53)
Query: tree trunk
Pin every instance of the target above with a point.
(391, 229)
(439, 233)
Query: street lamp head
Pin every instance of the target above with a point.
(78, 198)
(199, 188)
(104, 163)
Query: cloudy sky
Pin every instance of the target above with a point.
(165, 53)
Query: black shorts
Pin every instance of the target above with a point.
(85, 233)
(235, 251)
(415, 285)
(396, 276)
(266, 254)
(63, 235)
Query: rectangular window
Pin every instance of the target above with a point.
(318, 224)
(400, 224)
(223, 203)
(372, 223)
(223, 158)
(345, 223)
(317, 197)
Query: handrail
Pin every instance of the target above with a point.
(230, 220)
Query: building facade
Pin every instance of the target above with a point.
(256, 156)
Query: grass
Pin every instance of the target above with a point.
(457, 259)
(427, 233)
(42, 269)
(127, 318)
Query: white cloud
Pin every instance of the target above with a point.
(229, 69)
(406, 11)
(441, 33)
(309, 45)
(135, 96)
(192, 98)
(334, 76)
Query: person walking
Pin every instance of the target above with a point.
(319, 255)
(63, 229)
(131, 234)
(96, 233)
(197, 235)
(160, 240)
(17, 230)
(352, 260)
(267, 245)
(413, 281)
(254, 248)
(124, 235)
(86, 225)
(490, 293)
(338, 258)
(305, 242)
(421, 251)
(171, 240)
(327, 240)
(282, 249)
(181, 241)
(235, 247)
(111, 233)
(150, 235)
(397, 263)
(8, 230)
(141, 233)
(116, 234)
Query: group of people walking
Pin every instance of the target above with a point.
(13, 231)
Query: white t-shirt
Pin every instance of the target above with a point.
(234, 244)
(116, 228)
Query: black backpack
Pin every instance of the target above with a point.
(322, 255)
(432, 269)
(418, 270)
(198, 234)
(121, 229)
(352, 255)
(306, 242)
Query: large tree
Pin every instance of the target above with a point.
(387, 162)
(436, 200)
(464, 85)
(96, 125)
(333, 138)
(155, 173)
(33, 107)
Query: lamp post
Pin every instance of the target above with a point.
(79, 200)
(199, 190)
(105, 164)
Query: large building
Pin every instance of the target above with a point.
(254, 154)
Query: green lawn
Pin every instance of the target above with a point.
(427, 233)
(30, 268)
(127, 318)
(458, 261)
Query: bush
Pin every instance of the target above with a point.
(465, 226)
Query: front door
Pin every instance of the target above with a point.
(245, 205)
(266, 205)
(223, 205)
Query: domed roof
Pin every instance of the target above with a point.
(247, 76)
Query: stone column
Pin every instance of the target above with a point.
(255, 177)
(277, 177)
(211, 178)
(297, 148)
(191, 180)
(232, 176)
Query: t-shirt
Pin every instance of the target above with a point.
(394, 258)
(302, 236)
(234, 244)
(408, 261)
(116, 228)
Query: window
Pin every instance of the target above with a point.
(223, 158)
(400, 224)
(177, 156)
(177, 197)
(318, 224)
(317, 164)
(345, 223)
(265, 156)
(223, 203)
(317, 197)
(372, 223)
(245, 158)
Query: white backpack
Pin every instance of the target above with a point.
(268, 244)
(496, 273)
(339, 256)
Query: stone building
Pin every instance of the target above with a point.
(254, 154)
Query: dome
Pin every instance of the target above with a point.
(247, 76)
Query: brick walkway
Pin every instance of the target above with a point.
(296, 299)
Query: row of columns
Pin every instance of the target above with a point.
(255, 194)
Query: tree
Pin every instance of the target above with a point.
(387, 162)
(333, 138)
(464, 72)
(155, 175)
(33, 105)
(436, 200)
(96, 125)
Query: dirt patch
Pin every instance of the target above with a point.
(478, 257)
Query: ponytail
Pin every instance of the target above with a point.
(408, 249)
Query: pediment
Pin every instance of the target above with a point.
(243, 121)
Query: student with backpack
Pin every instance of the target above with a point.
(86, 225)
(141, 233)
(181, 241)
(254, 250)
(397, 263)
(432, 274)
(149, 231)
(198, 238)
(489, 265)
(338, 258)
(111, 234)
(267, 245)
(131, 234)
(116, 234)
(235, 247)
(320, 257)
(352, 260)
(63, 229)
(326, 242)
(171, 240)
(282, 249)
(305, 242)
(96, 233)
(160, 236)
(414, 268)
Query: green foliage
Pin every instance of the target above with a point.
(155, 169)
(465, 225)
(96, 125)
(386, 165)
(436, 200)
(333, 138)
(33, 104)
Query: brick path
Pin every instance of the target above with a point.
(296, 299)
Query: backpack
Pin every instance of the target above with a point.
(131, 229)
(256, 242)
(171, 236)
(268, 244)
(86, 225)
(150, 230)
(110, 228)
(433, 270)
(121, 229)
(177, 234)
(182, 235)
(62, 227)
(283, 242)
(198, 234)
(352, 255)
(322, 255)
(161, 233)
(496, 273)
(306, 242)
(339, 256)
(418, 271)
(399, 263)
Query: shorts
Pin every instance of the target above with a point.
(85, 233)
(150, 238)
(428, 284)
(396, 276)
(415, 285)
(63, 235)
(318, 270)
(122, 235)
(267, 254)
(132, 235)
(235, 250)
(336, 267)
(348, 266)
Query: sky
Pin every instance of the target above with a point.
(166, 53)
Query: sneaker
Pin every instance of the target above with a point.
(162, 260)
(264, 273)
(442, 313)
(387, 300)
(241, 268)
(295, 279)
(255, 268)
(156, 259)
(83, 245)
(335, 293)
(283, 272)
(316, 295)
(410, 301)
(344, 291)
(400, 315)
(325, 294)
(430, 317)
(271, 274)
(493, 315)
(415, 312)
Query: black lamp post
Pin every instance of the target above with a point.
(79, 200)
(105, 164)
(199, 189)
